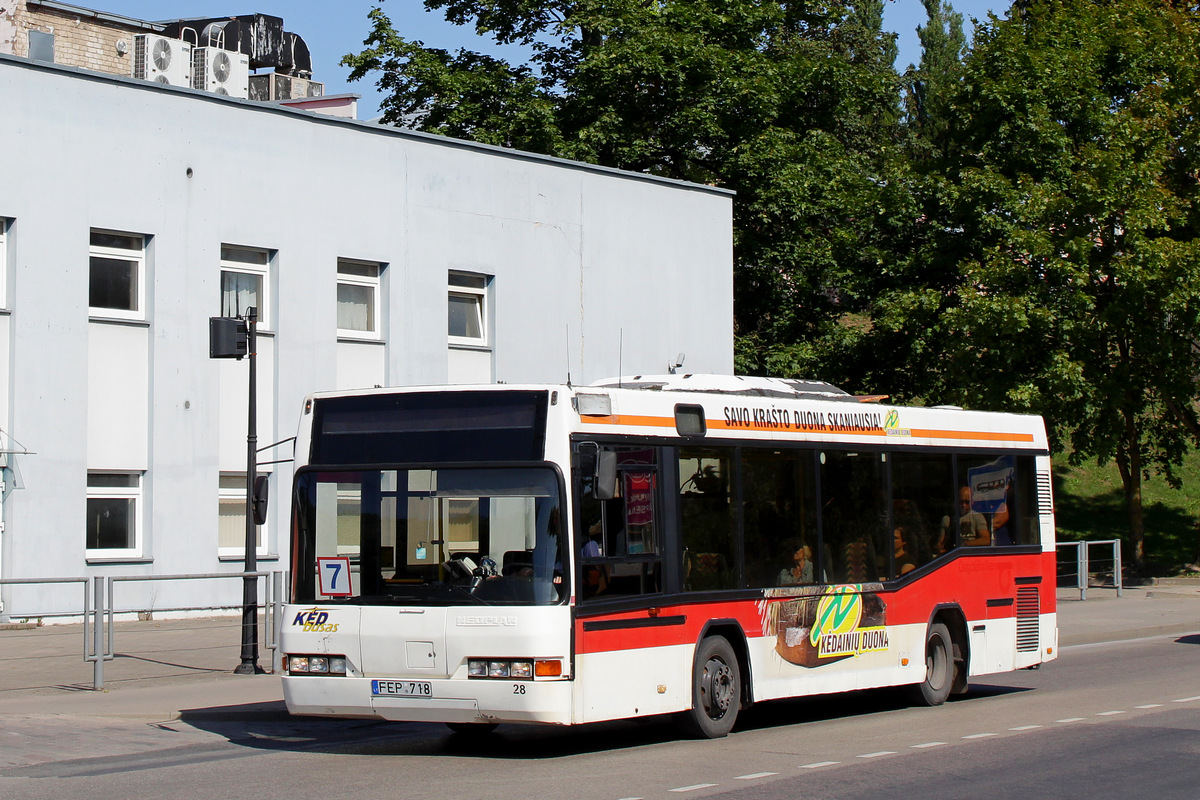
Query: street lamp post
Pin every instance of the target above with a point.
(249, 665)
(230, 337)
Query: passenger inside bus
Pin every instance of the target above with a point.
(801, 570)
(973, 528)
(910, 541)
(595, 576)
(906, 559)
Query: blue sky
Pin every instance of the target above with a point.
(332, 29)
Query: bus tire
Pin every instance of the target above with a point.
(939, 668)
(716, 689)
(472, 728)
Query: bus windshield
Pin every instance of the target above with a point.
(458, 536)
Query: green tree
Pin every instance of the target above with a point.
(1068, 211)
(793, 105)
(932, 85)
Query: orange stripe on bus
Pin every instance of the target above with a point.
(720, 424)
(990, 436)
(626, 419)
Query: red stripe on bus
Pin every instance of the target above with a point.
(967, 582)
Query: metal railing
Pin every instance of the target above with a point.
(1080, 568)
(99, 609)
(88, 618)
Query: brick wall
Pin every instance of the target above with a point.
(79, 41)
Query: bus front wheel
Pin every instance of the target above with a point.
(939, 668)
(716, 689)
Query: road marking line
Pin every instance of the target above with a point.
(1025, 727)
(927, 744)
(1109, 713)
(877, 755)
(979, 735)
(693, 787)
(1186, 699)
(819, 764)
(1070, 719)
(1150, 705)
(755, 776)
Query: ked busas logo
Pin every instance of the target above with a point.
(314, 621)
(836, 631)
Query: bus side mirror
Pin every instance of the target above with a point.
(258, 501)
(605, 485)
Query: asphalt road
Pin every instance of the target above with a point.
(1104, 721)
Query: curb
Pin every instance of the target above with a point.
(1193, 594)
(1131, 634)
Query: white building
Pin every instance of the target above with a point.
(131, 213)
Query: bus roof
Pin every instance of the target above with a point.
(743, 407)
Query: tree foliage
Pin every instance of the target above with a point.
(793, 105)
(1067, 207)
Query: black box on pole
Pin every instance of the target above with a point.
(226, 337)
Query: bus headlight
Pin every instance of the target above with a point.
(314, 665)
(525, 669)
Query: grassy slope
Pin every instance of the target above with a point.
(1090, 504)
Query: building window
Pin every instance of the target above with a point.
(117, 278)
(244, 282)
(41, 46)
(114, 514)
(358, 293)
(468, 309)
(231, 521)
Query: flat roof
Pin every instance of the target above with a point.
(104, 16)
(365, 127)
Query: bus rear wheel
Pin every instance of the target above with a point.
(716, 689)
(939, 668)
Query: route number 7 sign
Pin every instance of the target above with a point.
(334, 574)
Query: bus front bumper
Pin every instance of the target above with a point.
(450, 700)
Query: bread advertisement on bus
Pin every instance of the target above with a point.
(825, 625)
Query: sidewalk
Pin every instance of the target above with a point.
(183, 669)
(164, 669)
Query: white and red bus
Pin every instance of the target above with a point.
(680, 544)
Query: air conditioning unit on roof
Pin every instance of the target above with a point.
(220, 71)
(273, 86)
(162, 60)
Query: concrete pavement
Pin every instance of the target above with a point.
(183, 669)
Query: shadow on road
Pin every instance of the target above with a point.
(268, 726)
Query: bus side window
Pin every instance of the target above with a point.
(778, 517)
(853, 515)
(922, 508)
(707, 519)
(620, 537)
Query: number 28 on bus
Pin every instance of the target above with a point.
(680, 544)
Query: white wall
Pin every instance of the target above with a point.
(581, 258)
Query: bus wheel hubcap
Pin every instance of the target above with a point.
(717, 688)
